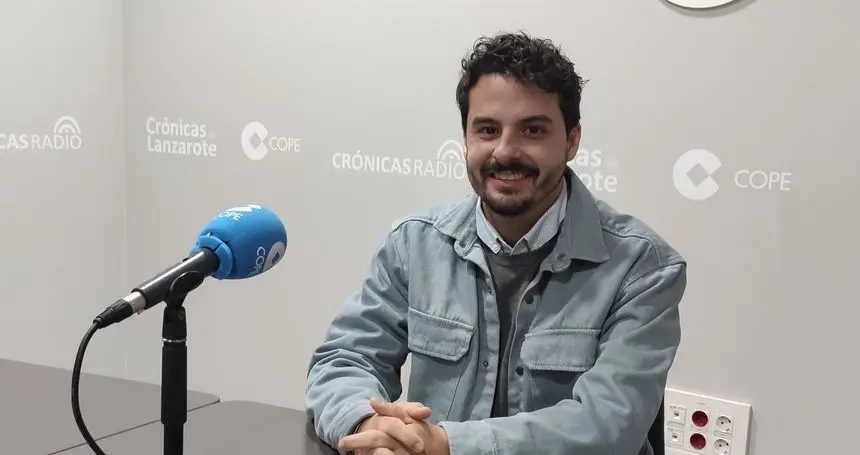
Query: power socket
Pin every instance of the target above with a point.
(701, 424)
(722, 447)
(724, 424)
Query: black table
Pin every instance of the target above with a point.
(228, 428)
(36, 408)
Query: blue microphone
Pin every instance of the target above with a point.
(240, 242)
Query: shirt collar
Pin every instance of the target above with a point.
(580, 237)
(542, 232)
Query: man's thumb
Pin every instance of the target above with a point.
(417, 410)
(420, 413)
(388, 409)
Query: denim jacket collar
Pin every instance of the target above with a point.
(580, 235)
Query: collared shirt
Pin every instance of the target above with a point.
(542, 232)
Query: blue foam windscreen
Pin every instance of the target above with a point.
(248, 240)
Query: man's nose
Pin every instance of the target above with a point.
(508, 149)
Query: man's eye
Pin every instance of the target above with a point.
(535, 130)
(486, 130)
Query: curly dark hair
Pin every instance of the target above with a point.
(528, 59)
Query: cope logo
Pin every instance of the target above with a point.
(235, 213)
(267, 259)
(696, 172)
(256, 142)
(65, 135)
(690, 185)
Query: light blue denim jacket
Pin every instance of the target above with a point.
(595, 335)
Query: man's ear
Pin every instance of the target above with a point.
(573, 141)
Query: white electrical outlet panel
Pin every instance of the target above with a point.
(700, 424)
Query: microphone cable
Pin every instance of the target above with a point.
(76, 379)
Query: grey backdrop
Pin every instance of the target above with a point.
(62, 199)
(768, 87)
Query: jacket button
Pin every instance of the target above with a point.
(485, 363)
(520, 371)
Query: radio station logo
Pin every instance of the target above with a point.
(65, 135)
(235, 213)
(595, 170)
(266, 259)
(696, 175)
(448, 163)
(257, 142)
(179, 137)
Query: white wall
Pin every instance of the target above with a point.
(62, 248)
(765, 85)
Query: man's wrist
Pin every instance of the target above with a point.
(360, 425)
(439, 441)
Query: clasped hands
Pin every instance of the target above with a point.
(397, 429)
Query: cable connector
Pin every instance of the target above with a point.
(117, 312)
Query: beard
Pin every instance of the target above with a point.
(506, 203)
(508, 206)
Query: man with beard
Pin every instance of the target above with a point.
(539, 319)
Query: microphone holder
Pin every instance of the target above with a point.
(174, 363)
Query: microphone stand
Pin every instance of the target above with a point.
(174, 363)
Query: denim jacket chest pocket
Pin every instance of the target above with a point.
(438, 347)
(555, 358)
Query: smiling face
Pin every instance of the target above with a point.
(517, 146)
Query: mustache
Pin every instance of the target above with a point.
(496, 167)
